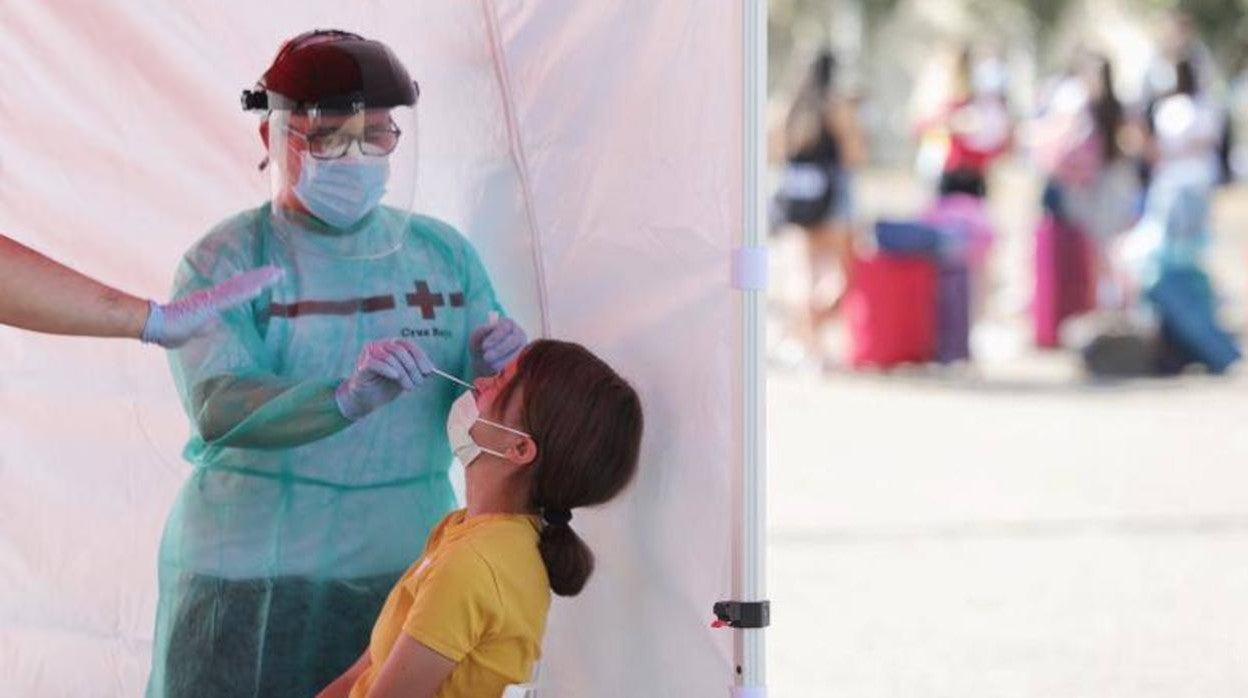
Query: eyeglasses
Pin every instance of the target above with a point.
(331, 144)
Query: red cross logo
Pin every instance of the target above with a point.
(426, 300)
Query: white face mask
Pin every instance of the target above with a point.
(464, 414)
(342, 191)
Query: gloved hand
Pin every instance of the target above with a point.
(175, 323)
(385, 368)
(495, 344)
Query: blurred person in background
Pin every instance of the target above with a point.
(1179, 39)
(1085, 142)
(1186, 127)
(1166, 250)
(823, 143)
(1068, 149)
(971, 123)
(1180, 43)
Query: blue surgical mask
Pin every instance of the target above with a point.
(341, 192)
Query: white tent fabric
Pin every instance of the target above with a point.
(591, 150)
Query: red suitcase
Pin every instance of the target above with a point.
(891, 310)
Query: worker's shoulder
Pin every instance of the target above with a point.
(245, 224)
(233, 240)
(428, 226)
(441, 234)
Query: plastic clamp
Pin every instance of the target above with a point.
(749, 268)
(742, 614)
(255, 100)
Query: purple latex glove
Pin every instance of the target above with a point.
(494, 345)
(384, 369)
(175, 323)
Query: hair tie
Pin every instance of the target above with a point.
(557, 517)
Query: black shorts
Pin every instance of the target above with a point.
(811, 194)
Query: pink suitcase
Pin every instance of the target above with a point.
(1064, 284)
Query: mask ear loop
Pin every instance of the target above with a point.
(491, 451)
(504, 427)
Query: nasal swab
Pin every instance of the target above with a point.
(453, 379)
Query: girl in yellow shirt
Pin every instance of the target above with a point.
(555, 430)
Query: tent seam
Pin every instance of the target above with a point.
(518, 158)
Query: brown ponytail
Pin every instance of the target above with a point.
(569, 561)
(587, 423)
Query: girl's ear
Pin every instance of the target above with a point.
(523, 451)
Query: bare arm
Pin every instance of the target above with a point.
(341, 687)
(843, 122)
(37, 293)
(411, 671)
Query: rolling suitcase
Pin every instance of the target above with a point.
(891, 310)
(953, 314)
(1064, 278)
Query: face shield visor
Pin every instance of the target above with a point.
(340, 126)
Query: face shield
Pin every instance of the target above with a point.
(340, 127)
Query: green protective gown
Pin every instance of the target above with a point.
(295, 523)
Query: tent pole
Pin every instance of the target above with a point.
(749, 585)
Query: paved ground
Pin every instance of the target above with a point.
(1014, 531)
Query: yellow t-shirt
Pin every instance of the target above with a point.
(478, 596)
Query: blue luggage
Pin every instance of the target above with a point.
(1184, 300)
(908, 238)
